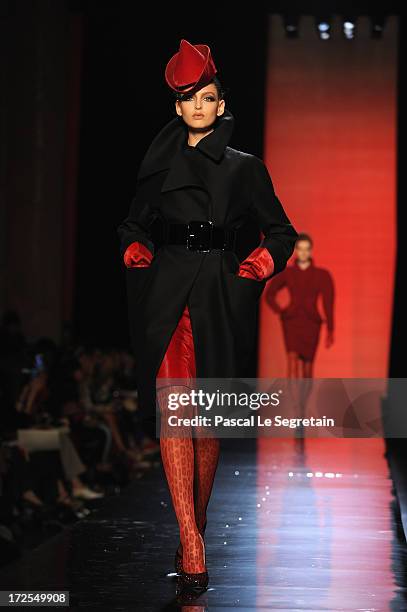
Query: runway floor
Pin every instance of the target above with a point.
(292, 525)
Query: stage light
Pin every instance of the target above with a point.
(291, 25)
(323, 27)
(349, 28)
(324, 31)
(377, 26)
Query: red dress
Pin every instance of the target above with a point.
(301, 320)
(179, 358)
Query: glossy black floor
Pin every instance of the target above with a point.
(292, 525)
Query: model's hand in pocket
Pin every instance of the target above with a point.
(137, 255)
(259, 265)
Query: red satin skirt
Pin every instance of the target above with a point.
(179, 358)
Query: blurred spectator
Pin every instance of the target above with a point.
(69, 421)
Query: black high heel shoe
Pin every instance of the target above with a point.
(195, 583)
(178, 555)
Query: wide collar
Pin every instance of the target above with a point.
(167, 148)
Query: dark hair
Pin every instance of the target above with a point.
(304, 236)
(219, 88)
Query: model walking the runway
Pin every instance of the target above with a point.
(301, 320)
(193, 289)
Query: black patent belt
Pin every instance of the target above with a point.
(202, 236)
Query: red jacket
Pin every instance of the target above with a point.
(304, 287)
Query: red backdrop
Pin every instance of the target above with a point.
(330, 146)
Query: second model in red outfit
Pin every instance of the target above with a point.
(301, 320)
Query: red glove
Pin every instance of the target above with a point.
(258, 265)
(137, 256)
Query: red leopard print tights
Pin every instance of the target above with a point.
(189, 462)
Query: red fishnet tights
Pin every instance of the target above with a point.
(189, 462)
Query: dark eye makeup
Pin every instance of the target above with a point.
(210, 98)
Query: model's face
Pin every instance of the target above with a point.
(303, 250)
(199, 110)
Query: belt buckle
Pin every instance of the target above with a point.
(199, 237)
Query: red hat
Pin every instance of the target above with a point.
(192, 66)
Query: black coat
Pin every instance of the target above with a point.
(210, 181)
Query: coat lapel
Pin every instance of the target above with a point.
(167, 152)
(181, 174)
